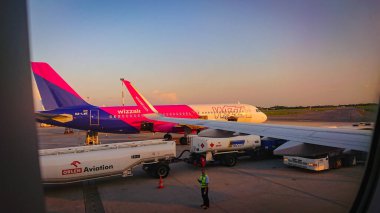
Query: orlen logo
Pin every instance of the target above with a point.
(75, 170)
(75, 163)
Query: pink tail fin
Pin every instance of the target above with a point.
(142, 103)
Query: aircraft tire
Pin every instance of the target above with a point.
(168, 137)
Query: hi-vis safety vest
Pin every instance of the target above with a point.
(203, 180)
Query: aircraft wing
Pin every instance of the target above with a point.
(63, 118)
(341, 138)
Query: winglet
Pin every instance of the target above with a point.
(142, 103)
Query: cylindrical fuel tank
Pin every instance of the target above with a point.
(204, 144)
(85, 162)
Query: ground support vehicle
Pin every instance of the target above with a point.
(316, 157)
(73, 164)
(227, 150)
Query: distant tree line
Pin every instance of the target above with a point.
(277, 107)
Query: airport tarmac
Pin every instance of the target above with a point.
(250, 186)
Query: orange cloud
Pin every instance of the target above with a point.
(165, 97)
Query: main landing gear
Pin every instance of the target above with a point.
(187, 131)
(182, 140)
(168, 137)
(92, 138)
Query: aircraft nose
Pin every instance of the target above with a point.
(264, 117)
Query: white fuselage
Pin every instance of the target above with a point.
(237, 112)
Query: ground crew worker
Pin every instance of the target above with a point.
(203, 180)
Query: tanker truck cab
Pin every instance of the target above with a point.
(224, 150)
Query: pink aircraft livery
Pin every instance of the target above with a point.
(64, 107)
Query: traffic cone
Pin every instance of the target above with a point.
(161, 183)
(203, 162)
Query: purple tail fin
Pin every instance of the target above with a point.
(54, 91)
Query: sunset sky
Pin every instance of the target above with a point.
(264, 53)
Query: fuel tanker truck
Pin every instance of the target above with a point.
(72, 164)
(226, 150)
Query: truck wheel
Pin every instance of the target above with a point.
(162, 170)
(183, 141)
(149, 170)
(145, 168)
(229, 160)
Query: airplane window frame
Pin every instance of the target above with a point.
(369, 190)
(15, 37)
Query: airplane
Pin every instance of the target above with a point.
(64, 107)
(347, 139)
